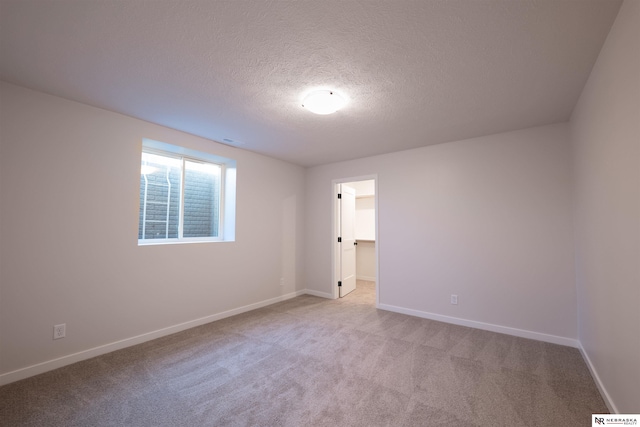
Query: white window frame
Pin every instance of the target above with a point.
(226, 213)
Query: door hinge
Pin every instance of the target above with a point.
(339, 239)
(339, 195)
(339, 283)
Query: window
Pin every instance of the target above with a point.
(182, 195)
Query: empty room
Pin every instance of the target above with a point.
(357, 213)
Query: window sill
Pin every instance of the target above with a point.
(157, 242)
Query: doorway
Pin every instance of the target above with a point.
(355, 249)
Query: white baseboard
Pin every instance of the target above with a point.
(318, 293)
(603, 391)
(554, 339)
(50, 365)
(366, 278)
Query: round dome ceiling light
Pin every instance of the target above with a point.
(323, 102)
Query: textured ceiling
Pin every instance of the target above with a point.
(415, 73)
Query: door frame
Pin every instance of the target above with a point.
(335, 226)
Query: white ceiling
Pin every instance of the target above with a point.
(416, 73)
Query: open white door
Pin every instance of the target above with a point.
(347, 240)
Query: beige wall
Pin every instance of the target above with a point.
(606, 153)
(488, 219)
(69, 219)
(366, 260)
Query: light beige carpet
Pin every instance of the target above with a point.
(310, 361)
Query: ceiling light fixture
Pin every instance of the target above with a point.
(323, 102)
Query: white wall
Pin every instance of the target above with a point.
(366, 218)
(488, 219)
(364, 188)
(69, 219)
(606, 153)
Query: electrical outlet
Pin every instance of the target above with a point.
(454, 299)
(282, 281)
(59, 331)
